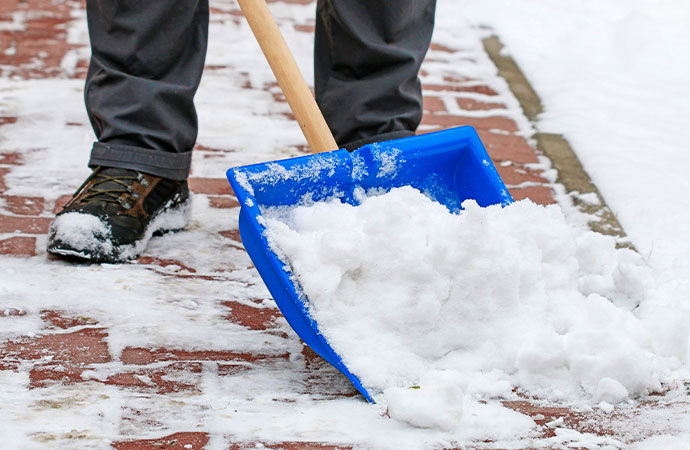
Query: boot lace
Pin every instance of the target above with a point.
(121, 184)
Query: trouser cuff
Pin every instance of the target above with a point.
(354, 145)
(174, 166)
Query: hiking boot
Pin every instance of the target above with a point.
(115, 212)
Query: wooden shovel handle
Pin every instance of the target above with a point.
(289, 77)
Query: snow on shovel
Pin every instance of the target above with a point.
(449, 166)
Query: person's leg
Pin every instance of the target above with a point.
(146, 64)
(367, 57)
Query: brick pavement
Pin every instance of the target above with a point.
(34, 45)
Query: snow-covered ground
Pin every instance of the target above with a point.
(613, 77)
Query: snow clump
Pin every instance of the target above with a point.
(474, 304)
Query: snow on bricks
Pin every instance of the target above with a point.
(18, 246)
(71, 357)
(142, 356)
(210, 186)
(86, 346)
(197, 441)
(176, 441)
(25, 29)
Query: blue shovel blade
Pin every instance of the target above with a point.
(449, 166)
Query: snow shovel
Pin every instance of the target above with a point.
(449, 166)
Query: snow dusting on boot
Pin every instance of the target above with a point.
(81, 231)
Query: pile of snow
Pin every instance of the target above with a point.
(474, 304)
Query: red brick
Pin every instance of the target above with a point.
(287, 445)
(575, 420)
(132, 380)
(478, 89)
(215, 66)
(176, 441)
(85, 346)
(225, 370)
(213, 186)
(193, 276)
(27, 206)
(60, 319)
(469, 104)
(287, 115)
(457, 79)
(441, 48)
(164, 262)
(28, 225)
(141, 356)
(322, 379)
(155, 379)
(222, 202)
(305, 28)
(3, 171)
(42, 39)
(11, 311)
(18, 246)
(60, 202)
(507, 147)
(433, 104)
(11, 158)
(205, 148)
(541, 195)
(231, 234)
(530, 409)
(214, 10)
(43, 375)
(160, 381)
(252, 317)
(513, 175)
(302, 148)
(432, 58)
(279, 97)
(484, 123)
(10, 365)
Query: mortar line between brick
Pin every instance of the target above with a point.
(571, 173)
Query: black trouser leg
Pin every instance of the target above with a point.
(367, 59)
(146, 64)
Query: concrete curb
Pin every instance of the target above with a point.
(577, 183)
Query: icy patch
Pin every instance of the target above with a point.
(493, 297)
